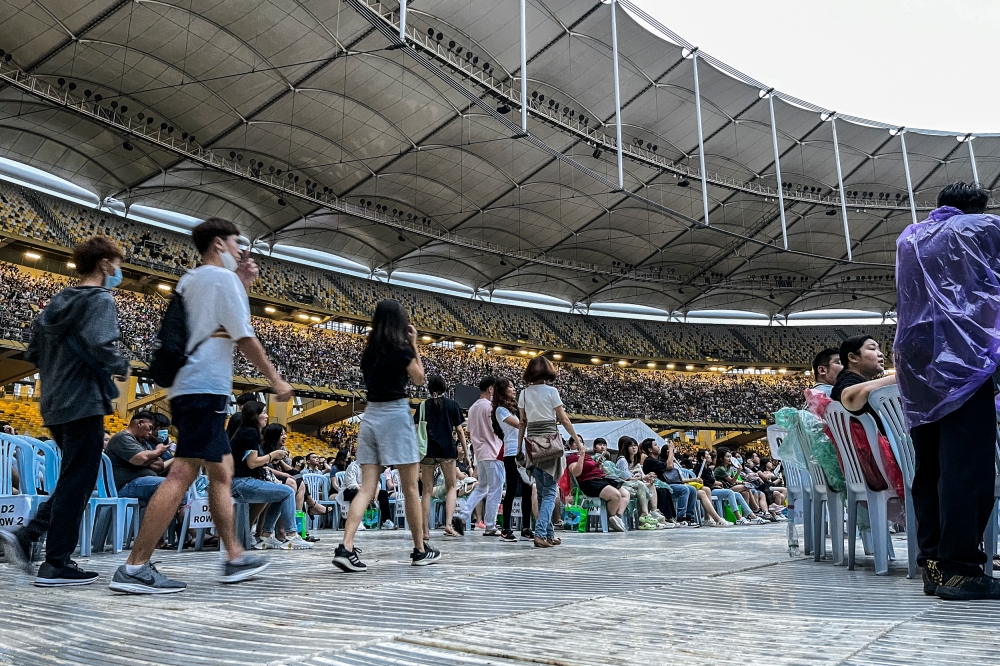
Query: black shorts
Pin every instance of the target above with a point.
(593, 487)
(200, 420)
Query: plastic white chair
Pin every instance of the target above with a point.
(319, 488)
(797, 482)
(823, 497)
(839, 421)
(889, 407)
(344, 505)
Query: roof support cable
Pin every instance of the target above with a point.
(972, 158)
(693, 54)
(906, 170)
(618, 95)
(832, 117)
(777, 167)
(524, 67)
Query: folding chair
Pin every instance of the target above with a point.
(823, 497)
(858, 491)
(107, 503)
(797, 482)
(889, 406)
(319, 488)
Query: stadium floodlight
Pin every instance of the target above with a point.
(425, 338)
(689, 367)
(595, 360)
(269, 310)
(622, 362)
(557, 357)
(70, 264)
(32, 255)
(497, 348)
(650, 365)
(315, 318)
(163, 287)
(459, 343)
(304, 316)
(480, 345)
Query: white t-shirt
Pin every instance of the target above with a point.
(539, 402)
(218, 314)
(509, 432)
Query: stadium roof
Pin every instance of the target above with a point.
(307, 124)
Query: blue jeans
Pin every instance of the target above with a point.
(141, 487)
(280, 497)
(686, 498)
(735, 500)
(547, 489)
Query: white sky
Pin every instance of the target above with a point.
(920, 63)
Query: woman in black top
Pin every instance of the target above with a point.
(387, 436)
(444, 419)
(251, 482)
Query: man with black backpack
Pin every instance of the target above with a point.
(74, 347)
(195, 362)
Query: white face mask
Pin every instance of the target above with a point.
(228, 260)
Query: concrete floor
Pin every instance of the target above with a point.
(705, 596)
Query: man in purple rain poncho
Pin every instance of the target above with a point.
(946, 351)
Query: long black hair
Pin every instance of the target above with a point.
(249, 415)
(437, 384)
(388, 328)
(271, 436)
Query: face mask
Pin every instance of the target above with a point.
(161, 435)
(228, 261)
(112, 281)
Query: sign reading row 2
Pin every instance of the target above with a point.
(201, 517)
(14, 511)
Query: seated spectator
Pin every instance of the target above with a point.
(774, 496)
(316, 465)
(298, 464)
(826, 368)
(728, 475)
(273, 438)
(352, 484)
(593, 483)
(135, 462)
(650, 518)
(252, 480)
(685, 496)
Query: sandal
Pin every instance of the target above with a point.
(448, 531)
(312, 511)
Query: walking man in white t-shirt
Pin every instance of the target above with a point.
(489, 461)
(218, 320)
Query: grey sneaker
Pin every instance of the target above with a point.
(245, 570)
(146, 580)
(17, 550)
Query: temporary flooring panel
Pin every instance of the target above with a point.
(690, 596)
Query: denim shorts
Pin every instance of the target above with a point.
(387, 435)
(201, 426)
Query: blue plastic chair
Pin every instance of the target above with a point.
(319, 488)
(16, 453)
(105, 500)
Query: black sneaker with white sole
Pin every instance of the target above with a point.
(527, 534)
(147, 580)
(17, 550)
(429, 556)
(71, 574)
(508, 536)
(348, 560)
(248, 567)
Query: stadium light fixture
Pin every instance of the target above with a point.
(32, 255)
(557, 357)
(670, 366)
(269, 310)
(595, 360)
(532, 353)
(650, 365)
(713, 368)
(304, 317)
(163, 287)
(689, 367)
(622, 362)
(425, 338)
(497, 348)
(315, 318)
(459, 343)
(782, 370)
(480, 345)
(70, 264)
(522, 352)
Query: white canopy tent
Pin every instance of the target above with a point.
(611, 431)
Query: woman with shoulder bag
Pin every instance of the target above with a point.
(540, 409)
(444, 419)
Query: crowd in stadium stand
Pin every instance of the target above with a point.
(34, 215)
(325, 358)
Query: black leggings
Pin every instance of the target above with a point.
(382, 498)
(512, 480)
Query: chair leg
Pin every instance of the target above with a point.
(911, 537)
(120, 519)
(835, 506)
(990, 539)
(604, 515)
(852, 528)
(819, 530)
(184, 529)
(878, 513)
(808, 540)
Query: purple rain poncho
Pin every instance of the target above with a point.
(948, 311)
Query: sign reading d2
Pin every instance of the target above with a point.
(201, 517)
(14, 512)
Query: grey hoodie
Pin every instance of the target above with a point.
(70, 389)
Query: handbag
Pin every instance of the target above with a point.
(422, 431)
(543, 448)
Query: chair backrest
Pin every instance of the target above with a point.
(817, 477)
(838, 420)
(775, 436)
(686, 473)
(340, 479)
(889, 406)
(51, 458)
(106, 479)
(318, 485)
(17, 453)
(795, 477)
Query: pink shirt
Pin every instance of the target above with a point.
(485, 443)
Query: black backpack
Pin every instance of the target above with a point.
(170, 344)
